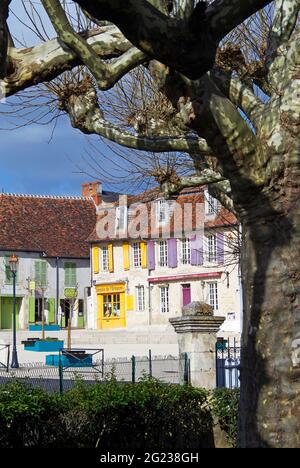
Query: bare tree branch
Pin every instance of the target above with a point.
(285, 17)
(207, 176)
(239, 94)
(186, 46)
(105, 74)
(222, 192)
(86, 115)
(4, 37)
(46, 61)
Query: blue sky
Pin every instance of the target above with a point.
(33, 162)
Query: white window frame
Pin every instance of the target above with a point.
(162, 212)
(164, 300)
(163, 253)
(136, 259)
(186, 251)
(212, 204)
(212, 253)
(213, 295)
(104, 259)
(140, 298)
(123, 217)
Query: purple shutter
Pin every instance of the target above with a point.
(151, 255)
(172, 253)
(196, 250)
(220, 247)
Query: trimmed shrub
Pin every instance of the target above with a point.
(224, 405)
(147, 415)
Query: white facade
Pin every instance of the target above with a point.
(151, 297)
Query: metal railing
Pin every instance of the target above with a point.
(5, 364)
(228, 363)
(73, 365)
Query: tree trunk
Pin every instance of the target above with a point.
(270, 367)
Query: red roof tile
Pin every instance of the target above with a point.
(192, 196)
(55, 225)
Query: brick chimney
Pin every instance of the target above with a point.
(94, 190)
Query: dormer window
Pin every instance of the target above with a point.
(212, 204)
(162, 211)
(121, 218)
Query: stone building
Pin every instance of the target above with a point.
(151, 257)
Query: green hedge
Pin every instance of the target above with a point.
(224, 405)
(147, 415)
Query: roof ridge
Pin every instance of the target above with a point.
(53, 197)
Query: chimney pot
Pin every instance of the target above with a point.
(93, 190)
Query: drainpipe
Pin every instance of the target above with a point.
(57, 290)
(149, 302)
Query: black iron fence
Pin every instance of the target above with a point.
(228, 363)
(4, 356)
(90, 367)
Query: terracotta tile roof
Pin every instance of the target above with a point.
(58, 226)
(192, 196)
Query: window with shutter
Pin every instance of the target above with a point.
(70, 275)
(40, 273)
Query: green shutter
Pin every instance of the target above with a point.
(70, 274)
(31, 310)
(37, 274)
(44, 273)
(41, 272)
(51, 305)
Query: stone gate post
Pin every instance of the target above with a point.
(197, 330)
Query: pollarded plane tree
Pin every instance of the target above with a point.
(243, 143)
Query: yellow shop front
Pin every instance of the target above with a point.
(111, 305)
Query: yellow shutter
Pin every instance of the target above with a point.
(144, 254)
(129, 302)
(126, 259)
(96, 260)
(110, 258)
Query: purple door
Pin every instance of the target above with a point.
(186, 294)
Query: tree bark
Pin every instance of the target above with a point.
(270, 366)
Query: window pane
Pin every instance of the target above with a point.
(137, 254)
(164, 300)
(163, 253)
(105, 261)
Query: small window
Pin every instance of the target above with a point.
(162, 211)
(186, 251)
(163, 253)
(40, 273)
(105, 258)
(70, 274)
(137, 254)
(213, 295)
(140, 298)
(164, 300)
(121, 218)
(212, 248)
(212, 204)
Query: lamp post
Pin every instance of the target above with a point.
(13, 264)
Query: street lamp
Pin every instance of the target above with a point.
(13, 264)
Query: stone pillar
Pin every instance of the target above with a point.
(197, 335)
